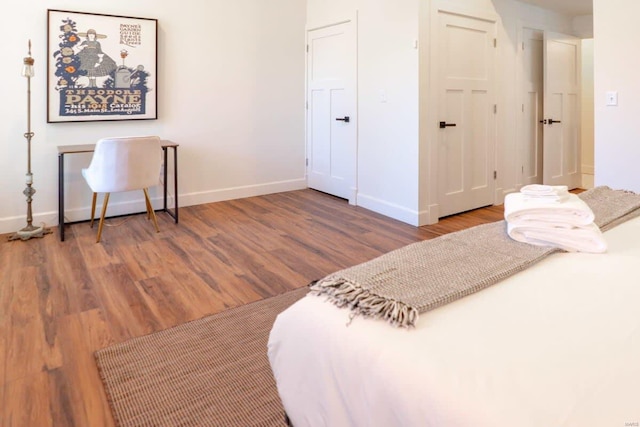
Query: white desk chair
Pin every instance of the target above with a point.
(124, 164)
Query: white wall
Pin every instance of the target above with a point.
(583, 26)
(616, 65)
(230, 91)
(387, 163)
(388, 159)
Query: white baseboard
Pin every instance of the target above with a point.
(15, 223)
(50, 218)
(587, 181)
(232, 193)
(391, 210)
(430, 216)
(500, 193)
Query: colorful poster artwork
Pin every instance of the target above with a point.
(101, 67)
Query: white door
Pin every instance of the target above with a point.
(531, 130)
(466, 115)
(561, 110)
(331, 110)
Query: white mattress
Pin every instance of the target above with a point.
(555, 345)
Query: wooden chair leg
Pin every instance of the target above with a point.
(93, 208)
(104, 211)
(147, 203)
(150, 209)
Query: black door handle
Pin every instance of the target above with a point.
(344, 119)
(445, 124)
(551, 121)
(544, 122)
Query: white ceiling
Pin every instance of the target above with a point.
(567, 7)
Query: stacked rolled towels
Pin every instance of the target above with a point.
(548, 215)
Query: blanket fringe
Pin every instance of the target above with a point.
(344, 293)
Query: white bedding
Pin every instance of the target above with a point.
(555, 345)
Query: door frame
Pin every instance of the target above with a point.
(347, 18)
(433, 91)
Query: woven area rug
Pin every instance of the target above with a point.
(209, 372)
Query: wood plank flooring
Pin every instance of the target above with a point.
(61, 301)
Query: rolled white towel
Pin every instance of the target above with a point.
(544, 190)
(537, 192)
(586, 238)
(573, 212)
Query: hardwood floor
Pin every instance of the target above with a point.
(61, 301)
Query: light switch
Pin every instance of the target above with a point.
(612, 98)
(383, 96)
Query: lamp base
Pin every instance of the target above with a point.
(30, 231)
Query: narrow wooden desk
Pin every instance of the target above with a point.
(89, 148)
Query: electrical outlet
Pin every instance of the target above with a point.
(383, 96)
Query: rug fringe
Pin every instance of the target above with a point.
(344, 293)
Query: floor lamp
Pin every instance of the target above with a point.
(30, 230)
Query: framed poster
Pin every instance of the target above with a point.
(100, 67)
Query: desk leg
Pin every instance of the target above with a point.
(164, 149)
(173, 214)
(61, 195)
(175, 182)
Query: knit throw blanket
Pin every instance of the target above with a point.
(401, 284)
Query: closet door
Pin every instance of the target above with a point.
(331, 110)
(466, 56)
(562, 110)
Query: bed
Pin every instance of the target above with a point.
(557, 344)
